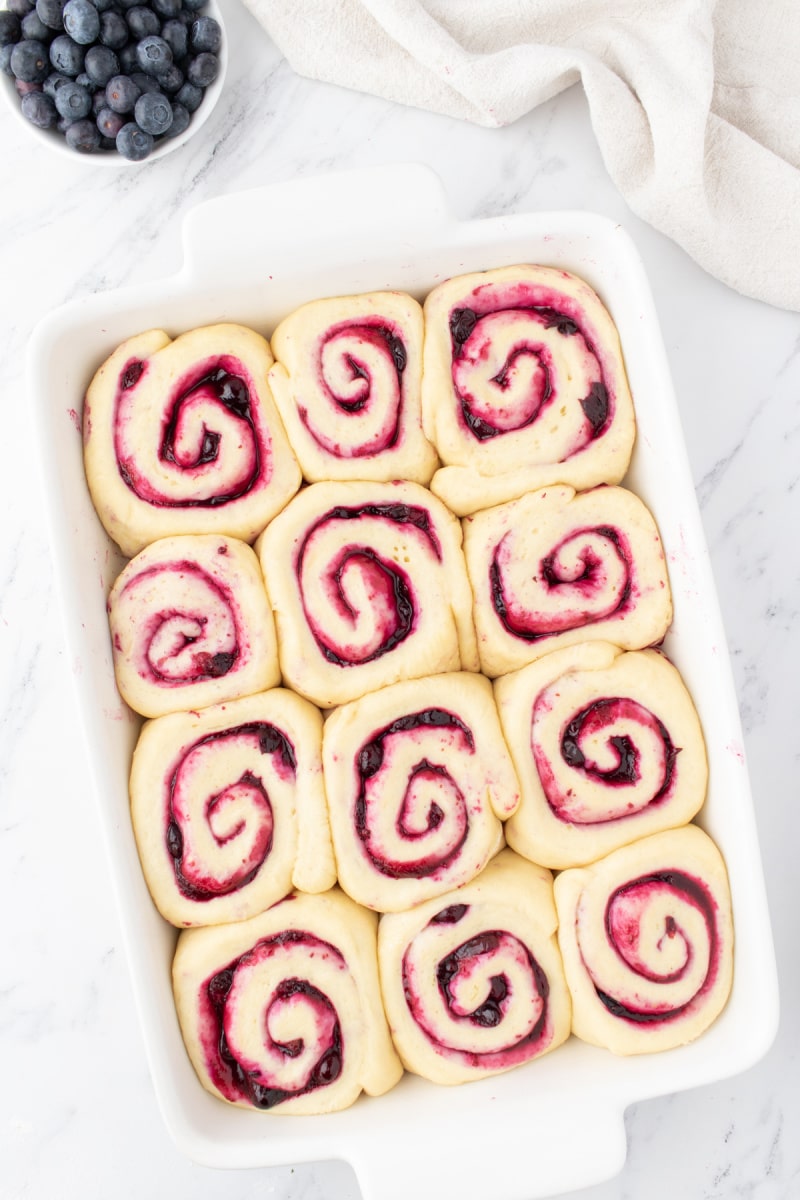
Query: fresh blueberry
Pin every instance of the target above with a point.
(133, 143)
(20, 8)
(54, 81)
(67, 56)
(5, 59)
(101, 64)
(205, 34)
(154, 55)
(32, 26)
(203, 69)
(166, 9)
(10, 28)
(181, 119)
(176, 35)
(109, 123)
(171, 80)
(83, 136)
(128, 58)
(113, 30)
(190, 96)
(193, 5)
(29, 62)
(153, 113)
(51, 13)
(82, 21)
(73, 102)
(121, 94)
(142, 21)
(145, 83)
(23, 87)
(40, 110)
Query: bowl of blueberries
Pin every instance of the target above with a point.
(124, 81)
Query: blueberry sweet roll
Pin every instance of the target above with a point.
(523, 385)
(472, 981)
(347, 383)
(183, 437)
(368, 586)
(646, 936)
(418, 780)
(228, 808)
(556, 567)
(190, 625)
(607, 746)
(283, 1013)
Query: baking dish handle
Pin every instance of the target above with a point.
(579, 1147)
(228, 232)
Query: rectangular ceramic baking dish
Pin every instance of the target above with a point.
(253, 257)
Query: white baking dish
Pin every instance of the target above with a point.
(556, 1124)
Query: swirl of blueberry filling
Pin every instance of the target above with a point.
(647, 925)
(430, 822)
(489, 987)
(527, 382)
(604, 743)
(207, 411)
(251, 1064)
(360, 371)
(584, 579)
(219, 843)
(193, 635)
(355, 567)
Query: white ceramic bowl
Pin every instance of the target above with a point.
(55, 142)
(557, 1123)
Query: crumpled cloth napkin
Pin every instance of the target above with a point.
(695, 104)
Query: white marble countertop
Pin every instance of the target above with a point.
(78, 1115)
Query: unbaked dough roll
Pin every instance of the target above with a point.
(473, 982)
(418, 780)
(607, 746)
(183, 437)
(283, 1012)
(228, 808)
(523, 385)
(557, 567)
(646, 935)
(347, 383)
(190, 625)
(368, 586)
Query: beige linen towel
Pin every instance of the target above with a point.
(695, 104)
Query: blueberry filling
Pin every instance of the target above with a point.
(270, 740)
(450, 915)
(525, 626)
(489, 1013)
(232, 393)
(370, 760)
(694, 893)
(328, 1067)
(484, 430)
(595, 406)
(186, 625)
(403, 607)
(397, 586)
(462, 323)
(627, 769)
(131, 375)
(214, 666)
